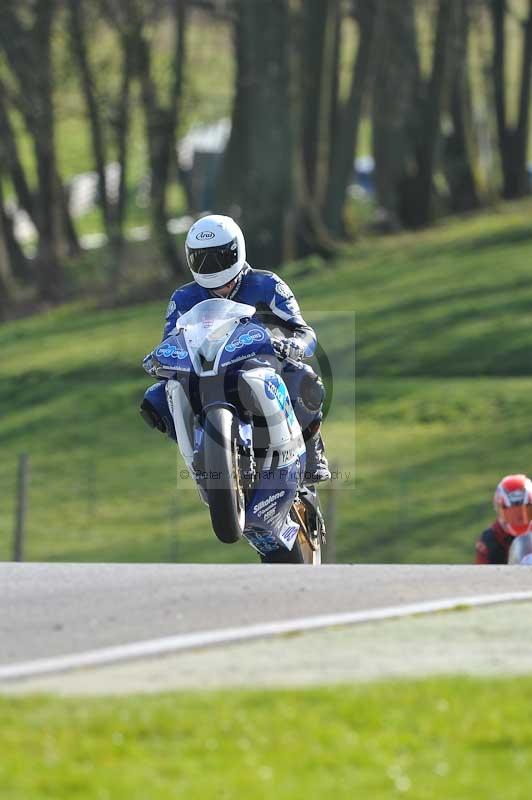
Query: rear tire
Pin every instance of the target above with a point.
(224, 492)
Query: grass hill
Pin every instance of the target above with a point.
(443, 332)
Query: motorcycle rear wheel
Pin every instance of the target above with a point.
(224, 491)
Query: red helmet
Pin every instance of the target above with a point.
(513, 504)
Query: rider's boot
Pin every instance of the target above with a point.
(317, 467)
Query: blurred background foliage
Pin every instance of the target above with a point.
(376, 153)
(118, 118)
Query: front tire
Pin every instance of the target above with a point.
(224, 491)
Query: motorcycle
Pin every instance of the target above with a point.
(237, 431)
(521, 550)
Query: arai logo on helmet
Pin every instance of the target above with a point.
(205, 235)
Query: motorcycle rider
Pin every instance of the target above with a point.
(513, 506)
(216, 256)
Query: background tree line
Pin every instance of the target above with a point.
(441, 87)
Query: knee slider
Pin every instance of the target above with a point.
(151, 416)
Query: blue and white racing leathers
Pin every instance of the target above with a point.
(276, 307)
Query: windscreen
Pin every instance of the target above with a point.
(208, 324)
(215, 310)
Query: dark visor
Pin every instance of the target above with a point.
(210, 260)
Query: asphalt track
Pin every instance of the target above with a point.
(49, 610)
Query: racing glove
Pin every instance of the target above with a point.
(289, 349)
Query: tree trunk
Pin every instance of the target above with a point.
(459, 145)
(79, 50)
(397, 92)
(5, 275)
(263, 178)
(20, 266)
(121, 134)
(516, 182)
(513, 140)
(345, 134)
(28, 53)
(50, 273)
(417, 209)
(259, 151)
(161, 123)
(318, 62)
(230, 185)
(9, 158)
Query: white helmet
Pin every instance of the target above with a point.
(215, 251)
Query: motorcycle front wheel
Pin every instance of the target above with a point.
(224, 490)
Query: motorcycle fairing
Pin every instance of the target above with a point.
(212, 328)
(270, 504)
(286, 439)
(217, 334)
(246, 341)
(173, 355)
(183, 416)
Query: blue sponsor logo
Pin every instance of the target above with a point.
(263, 542)
(276, 390)
(171, 351)
(245, 339)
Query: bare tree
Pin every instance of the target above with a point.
(408, 110)
(319, 63)
(161, 118)
(347, 117)
(460, 154)
(257, 181)
(267, 167)
(396, 92)
(5, 273)
(25, 39)
(513, 139)
(116, 134)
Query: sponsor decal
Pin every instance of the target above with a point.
(205, 235)
(171, 309)
(287, 456)
(289, 534)
(290, 414)
(245, 339)
(171, 351)
(275, 389)
(258, 507)
(238, 358)
(263, 542)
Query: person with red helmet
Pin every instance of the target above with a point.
(513, 506)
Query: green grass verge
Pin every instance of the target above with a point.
(443, 405)
(455, 738)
